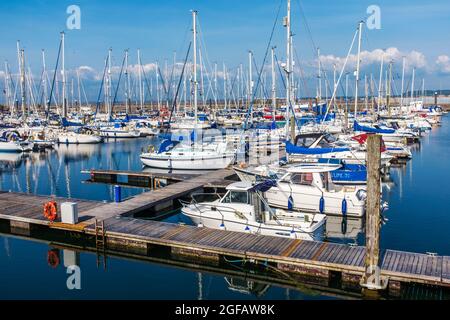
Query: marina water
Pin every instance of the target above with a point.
(417, 220)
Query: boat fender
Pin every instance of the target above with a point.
(322, 204)
(344, 206)
(247, 229)
(51, 211)
(290, 203)
(222, 226)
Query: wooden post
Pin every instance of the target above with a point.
(371, 278)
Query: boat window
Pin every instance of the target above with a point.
(236, 197)
(302, 178)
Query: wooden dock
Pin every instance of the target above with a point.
(307, 258)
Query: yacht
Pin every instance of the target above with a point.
(244, 209)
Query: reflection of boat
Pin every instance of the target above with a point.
(191, 172)
(344, 227)
(76, 152)
(244, 209)
(246, 286)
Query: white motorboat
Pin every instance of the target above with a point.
(244, 209)
(309, 188)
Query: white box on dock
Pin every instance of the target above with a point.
(69, 212)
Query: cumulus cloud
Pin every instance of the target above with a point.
(443, 64)
(413, 59)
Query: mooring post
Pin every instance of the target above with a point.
(372, 277)
(117, 194)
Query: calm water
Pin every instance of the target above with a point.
(418, 221)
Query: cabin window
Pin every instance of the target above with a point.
(236, 197)
(302, 178)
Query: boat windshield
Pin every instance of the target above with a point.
(236, 197)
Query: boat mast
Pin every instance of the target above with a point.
(63, 75)
(287, 23)
(194, 34)
(141, 89)
(358, 64)
(22, 82)
(319, 77)
(274, 91)
(225, 87)
(109, 85)
(403, 83)
(127, 85)
(412, 83)
(380, 84)
(79, 90)
(388, 88)
(250, 80)
(44, 78)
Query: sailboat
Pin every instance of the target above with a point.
(198, 155)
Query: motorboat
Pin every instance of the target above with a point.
(244, 209)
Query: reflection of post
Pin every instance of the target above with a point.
(371, 278)
(200, 286)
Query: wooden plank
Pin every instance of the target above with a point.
(446, 269)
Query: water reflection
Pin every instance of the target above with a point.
(58, 171)
(246, 286)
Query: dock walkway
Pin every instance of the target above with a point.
(125, 233)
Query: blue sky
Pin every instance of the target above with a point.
(417, 29)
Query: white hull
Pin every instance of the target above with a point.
(175, 162)
(120, 134)
(256, 228)
(75, 138)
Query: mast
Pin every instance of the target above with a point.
(388, 93)
(319, 77)
(63, 75)
(412, 84)
(194, 34)
(141, 89)
(225, 87)
(109, 85)
(44, 78)
(274, 91)
(79, 90)
(250, 81)
(127, 85)
(22, 83)
(287, 23)
(358, 64)
(403, 83)
(380, 84)
(215, 85)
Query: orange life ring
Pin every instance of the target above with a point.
(51, 210)
(53, 258)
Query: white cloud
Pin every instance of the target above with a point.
(443, 64)
(368, 58)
